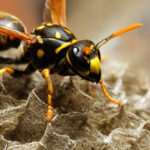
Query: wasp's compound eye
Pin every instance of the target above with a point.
(76, 50)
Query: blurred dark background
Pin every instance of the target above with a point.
(95, 19)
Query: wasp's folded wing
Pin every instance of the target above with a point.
(29, 38)
(56, 12)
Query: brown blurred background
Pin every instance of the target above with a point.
(94, 19)
(29, 11)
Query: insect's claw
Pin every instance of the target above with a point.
(49, 114)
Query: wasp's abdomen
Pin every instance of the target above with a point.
(11, 22)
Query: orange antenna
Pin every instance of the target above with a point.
(122, 31)
(104, 41)
(20, 35)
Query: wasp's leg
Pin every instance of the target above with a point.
(17, 73)
(107, 95)
(46, 75)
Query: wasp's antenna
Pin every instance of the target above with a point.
(122, 31)
(119, 32)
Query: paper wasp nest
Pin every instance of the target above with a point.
(81, 122)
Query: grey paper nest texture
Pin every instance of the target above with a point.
(80, 122)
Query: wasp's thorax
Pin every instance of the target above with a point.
(84, 59)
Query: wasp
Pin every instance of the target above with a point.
(53, 48)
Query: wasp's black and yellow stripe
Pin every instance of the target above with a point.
(86, 65)
(56, 48)
(53, 49)
(52, 45)
(11, 22)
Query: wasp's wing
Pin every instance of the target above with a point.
(55, 11)
(17, 34)
(58, 16)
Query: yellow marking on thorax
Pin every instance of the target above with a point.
(39, 39)
(49, 24)
(57, 35)
(40, 27)
(95, 65)
(68, 31)
(40, 53)
(64, 45)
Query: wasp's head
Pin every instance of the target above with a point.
(84, 58)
